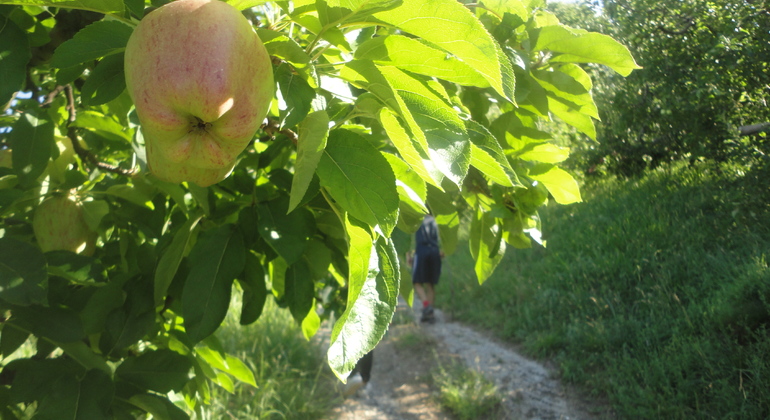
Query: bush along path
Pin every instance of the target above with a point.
(411, 363)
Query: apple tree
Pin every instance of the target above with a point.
(116, 274)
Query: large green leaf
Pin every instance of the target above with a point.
(313, 132)
(286, 233)
(106, 82)
(101, 6)
(406, 147)
(78, 398)
(14, 56)
(172, 257)
(96, 40)
(54, 323)
(451, 26)
(22, 272)
(215, 261)
(448, 144)
(297, 95)
(559, 182)
(580, 46)
(254, 290)
(568, 87)
(372, 298)
(31, 140)
(488, 157)
(418, 57)
(366, 75)
(359, 178)
(160, 370)
(299, 289)
(160, 408)
(486, 244)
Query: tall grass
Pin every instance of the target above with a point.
(292, 377)
(653, 293)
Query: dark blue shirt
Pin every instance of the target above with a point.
(427, 236)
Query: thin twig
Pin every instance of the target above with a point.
(272, 127)
(84, 154)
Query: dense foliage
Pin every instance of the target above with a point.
(383, 109)
(705, 75)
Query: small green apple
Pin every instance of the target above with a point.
(59, 224)
(202, 82)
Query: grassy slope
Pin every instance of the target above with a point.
(291, 373)
(654, 293)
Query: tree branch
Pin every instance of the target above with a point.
(272, 127)
(84, 154)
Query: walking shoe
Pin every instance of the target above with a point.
(354, 385)
(427, 314)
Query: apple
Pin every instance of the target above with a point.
(202, 82)
(59, 224)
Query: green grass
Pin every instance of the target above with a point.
(466, 392)
(653, 294)
(291, 373)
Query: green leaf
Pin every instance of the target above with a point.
(313, 132)
(297, 95)
(104, 125)
(418, 57)
(159, 370)
(106, 82)
(172, 257)
(245, 4)
(580, 46)
(400, 138)
(22, 272)
(254, 290)
(360, 179)
(14, 56)
(57, 323)
(79, 398)
(160, 408)
(448, 145)
(568, 86)
(543, 152)
(279, 45)
(11, 339)
(101, 6)
(451, 26)
(218, 359)
(95, 41)
(31, 140)
(75, 268)
(132, 194)
(559, 182)
(81, 353)
(373, 284)
(215, 261)
(488, 157)
(311, 323)
(364, 6)
(286, 233)
(486, 244)
(104, 300)
(299, 290)
(366, 75)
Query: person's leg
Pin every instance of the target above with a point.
(430, 293)
(365, 366)
(421, 292)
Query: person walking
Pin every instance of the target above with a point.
(426, 265)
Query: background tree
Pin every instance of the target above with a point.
(383, 108)
(704, 76)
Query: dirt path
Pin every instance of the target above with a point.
(401, 387)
